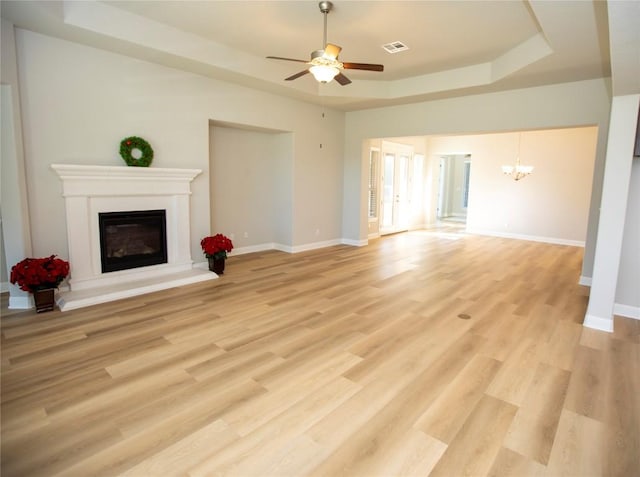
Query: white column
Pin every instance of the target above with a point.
(16, 229)
(15, 213)
(80, 240)
(613, 207)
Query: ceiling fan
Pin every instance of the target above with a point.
(324, 64)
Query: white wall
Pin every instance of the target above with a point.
(584, 103)
(251, 191)
(79, 102)
(318, 177)
(552, 204)
(628, 291)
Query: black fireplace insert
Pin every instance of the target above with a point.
(132, 239)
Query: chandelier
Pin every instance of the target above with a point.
(518, 171)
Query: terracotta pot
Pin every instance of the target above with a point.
(44, 299)
(216, 265)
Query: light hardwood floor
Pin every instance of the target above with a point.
(343, 361)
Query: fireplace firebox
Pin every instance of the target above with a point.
(132, 239)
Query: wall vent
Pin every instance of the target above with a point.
(395, 47)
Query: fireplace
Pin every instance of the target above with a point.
(92, 194)
(132, 239)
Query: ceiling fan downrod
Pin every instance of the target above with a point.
(325, 8)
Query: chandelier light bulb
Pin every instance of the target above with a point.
(518, 171)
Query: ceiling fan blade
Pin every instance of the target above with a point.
(342, 79)
(363, 66)
(331, 51)
(297, 75)
(286, 59)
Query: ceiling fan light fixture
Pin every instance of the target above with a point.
(324, 64)
(323, 73)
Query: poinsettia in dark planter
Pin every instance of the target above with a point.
(40, 276)
(215, 248)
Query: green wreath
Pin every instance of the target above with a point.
(129, 144)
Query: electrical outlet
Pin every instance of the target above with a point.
(317, 232)
(246, 235)
(232, 236)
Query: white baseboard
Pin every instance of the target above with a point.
(626, 311)
(20, 302)
(598, 323)
(586, 281)
(355, 243)
(315, 245)
(419, 227)
(531, 238)
(263, 247)
(282, 248)
(4, 287)
(201, 265)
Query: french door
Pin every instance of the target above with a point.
(395, 189)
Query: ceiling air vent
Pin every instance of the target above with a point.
(395, 47)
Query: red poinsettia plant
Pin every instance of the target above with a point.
(216, 246)
(32, 274)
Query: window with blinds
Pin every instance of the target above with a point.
(374, 156)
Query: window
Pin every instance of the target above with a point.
(374, 156)
(415, 184)
(465, 184)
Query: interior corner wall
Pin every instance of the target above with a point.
(583, 103)
(79, 102)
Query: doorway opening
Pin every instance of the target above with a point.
(453, 191)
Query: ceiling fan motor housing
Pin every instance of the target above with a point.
(325, 7)
(318, 58)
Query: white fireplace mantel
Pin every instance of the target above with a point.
(97, 181)
(91, 190)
